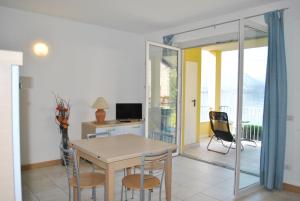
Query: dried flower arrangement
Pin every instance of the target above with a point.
(62, 113)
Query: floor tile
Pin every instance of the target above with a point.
(200, 196)
(192, 181)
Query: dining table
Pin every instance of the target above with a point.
(119, 152)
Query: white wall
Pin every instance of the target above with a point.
(292, 30)
(87, 61)
(84, 62)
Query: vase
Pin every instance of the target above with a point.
(64, 139)
(100, 116)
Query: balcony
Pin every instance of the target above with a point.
(250, 157)
(252, 121)
(251, 141)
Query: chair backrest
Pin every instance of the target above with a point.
(149, 158)
(163, 136)
(72, 168)
(220, 125)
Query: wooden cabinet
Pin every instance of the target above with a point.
(113, 128)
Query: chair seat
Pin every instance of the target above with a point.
(89, 180)
(134, 181)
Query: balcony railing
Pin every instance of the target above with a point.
(252, 121)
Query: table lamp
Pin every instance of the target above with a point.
(100, 104)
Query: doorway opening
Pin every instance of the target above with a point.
(213, 67)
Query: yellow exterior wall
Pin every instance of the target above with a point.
(217, 54)
(218, 80)
(204, 129)
(194, 55)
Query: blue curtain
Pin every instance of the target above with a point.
(275, 106)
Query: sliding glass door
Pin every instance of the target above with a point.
(238, 52)
(254, 60)
(163, 92)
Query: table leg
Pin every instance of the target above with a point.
(75, 193)
(110, 183)
(168, 180)
(78, 159)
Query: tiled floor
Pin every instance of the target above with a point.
(250, 157)
(192, 181)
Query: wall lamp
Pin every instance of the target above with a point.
(40, 49)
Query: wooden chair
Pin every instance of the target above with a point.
(154, 166)
(149, 181)
(150, 167)
(77, 180)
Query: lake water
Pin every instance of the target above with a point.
(253, 102)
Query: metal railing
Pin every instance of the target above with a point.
(252, 132)
(252, 121)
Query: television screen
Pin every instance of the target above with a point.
(128, 111)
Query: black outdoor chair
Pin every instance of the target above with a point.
(220, 127)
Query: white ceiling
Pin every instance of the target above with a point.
(138, 16)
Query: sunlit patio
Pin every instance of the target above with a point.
(250, 156)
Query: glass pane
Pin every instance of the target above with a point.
(229, 75)
(208, 84)
(215, 54)
(255, 63)
(162, 76)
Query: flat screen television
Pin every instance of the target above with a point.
(128, 111)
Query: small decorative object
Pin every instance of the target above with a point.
(100, 104)
(62, 113)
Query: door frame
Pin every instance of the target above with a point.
(241, 19)
(179, 92)
(239, 114)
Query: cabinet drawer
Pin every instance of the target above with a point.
(136, 129)
(101, 130)
(112, 129)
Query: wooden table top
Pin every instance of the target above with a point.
(121, 147)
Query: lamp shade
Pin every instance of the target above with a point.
(100, 103)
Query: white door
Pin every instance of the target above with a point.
(163, 93)
(190, 123)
